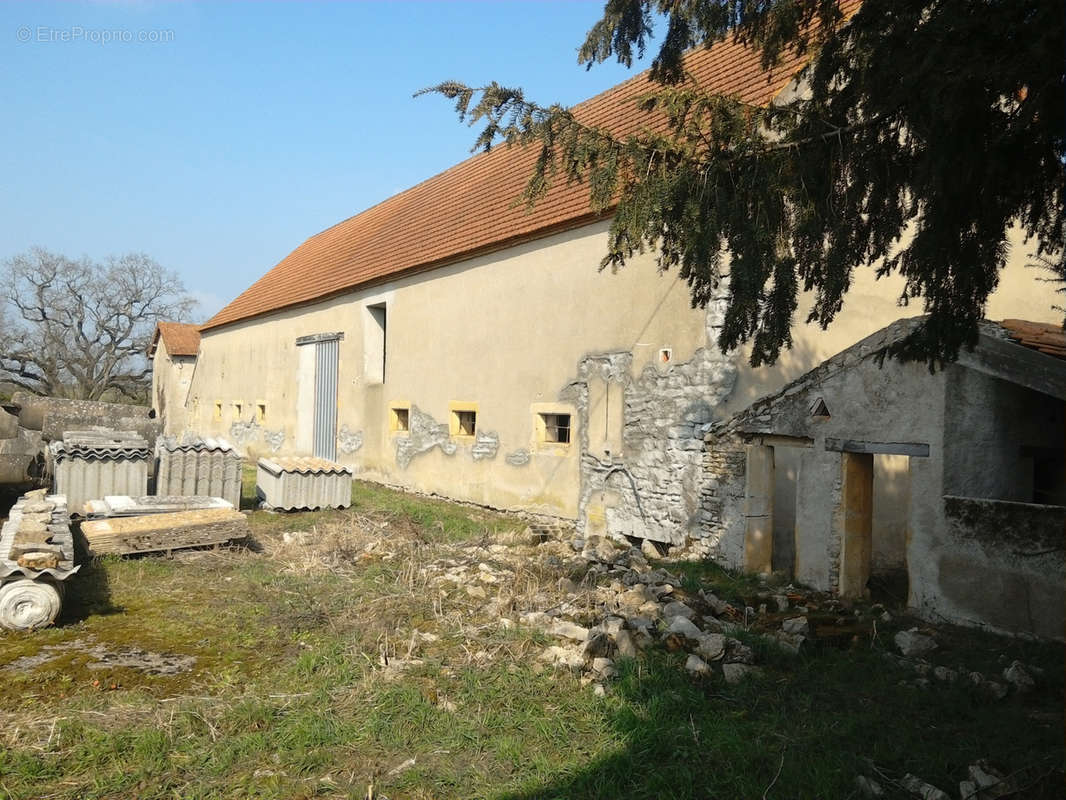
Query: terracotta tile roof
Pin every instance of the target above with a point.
(470, 209)
(180, 338)
(1041, 336)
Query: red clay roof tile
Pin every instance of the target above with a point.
(471, 208)
(1040, 336)
(180, 338)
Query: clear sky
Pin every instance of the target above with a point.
(234, 131)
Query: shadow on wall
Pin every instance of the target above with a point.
(754, 383)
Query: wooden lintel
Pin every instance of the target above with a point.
(780, 440)
(888, 448)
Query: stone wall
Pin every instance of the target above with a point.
(721, 502)
(654, 489)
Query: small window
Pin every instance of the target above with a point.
(237, 409)
(260, 413)
(665, 355)
(399, 420)
(218, 412)
(556, 428)
(375, 338)
(464, 423)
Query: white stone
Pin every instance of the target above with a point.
(735, 673)
(678, 609)
(569, 630)
(565, 656)
(627, 648)
(911, 643)
(782, 602)
(536, 619)
(945, 674)
(604, 667)
(738, 653)
(711, 646)
(926, 791)
(685, 627)
(868, 788)
(1018, 677)
(697, 666)
(796, 625)
(793, 642)
(990, 782)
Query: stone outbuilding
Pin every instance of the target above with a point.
(979, 503)
(173, 351)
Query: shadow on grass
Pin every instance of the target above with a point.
(805, 729)
(87, 592)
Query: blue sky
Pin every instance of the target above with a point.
(248, 127)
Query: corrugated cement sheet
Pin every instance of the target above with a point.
(92, 465)
(206, 467)
(311, 483)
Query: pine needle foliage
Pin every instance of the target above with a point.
(927, 130)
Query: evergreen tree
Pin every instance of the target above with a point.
(929, 128)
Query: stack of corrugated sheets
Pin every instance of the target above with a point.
(95, 463)
(199, 466)
(311, 483)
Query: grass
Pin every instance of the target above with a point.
(324, 667)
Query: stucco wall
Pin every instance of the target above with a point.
(171, 378)
(527, 328)
(991, 434)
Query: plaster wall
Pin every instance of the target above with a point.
(505, 334)
(991, 433)
(171, 378)
(512, 333)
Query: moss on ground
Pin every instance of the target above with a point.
(311, 680)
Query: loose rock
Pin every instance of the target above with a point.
(911, 643)
(697, 666)
(868, 788)
(919, 788)
(685, 627)
(1018, 677)
(678, 609)
(569, 630)
(711, 646)
(735, 673)
(625, 645)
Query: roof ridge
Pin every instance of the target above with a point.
(474, 211)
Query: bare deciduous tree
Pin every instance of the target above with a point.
(80, 329)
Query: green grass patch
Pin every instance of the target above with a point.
(309, 681)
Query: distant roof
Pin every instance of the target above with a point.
(470, 209)
(1041, 336)
(180, 338)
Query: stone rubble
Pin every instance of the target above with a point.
(611, 604)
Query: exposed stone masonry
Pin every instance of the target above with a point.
(657, 483)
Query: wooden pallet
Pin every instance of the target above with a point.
(154, 533)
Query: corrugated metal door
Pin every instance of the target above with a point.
(325, 437)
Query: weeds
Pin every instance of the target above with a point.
(345, 649)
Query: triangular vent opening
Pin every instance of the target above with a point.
(820, 409)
